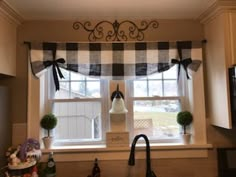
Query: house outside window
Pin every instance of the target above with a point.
(80, 106)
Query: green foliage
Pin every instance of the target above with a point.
(48, 122)
(184, 118)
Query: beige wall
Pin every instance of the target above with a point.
(62, 31)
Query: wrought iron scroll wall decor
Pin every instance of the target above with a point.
(116, 31)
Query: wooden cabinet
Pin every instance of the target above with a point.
(7, 44)
(220, 32)
(232, 28)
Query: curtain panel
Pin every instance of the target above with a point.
(115, 61)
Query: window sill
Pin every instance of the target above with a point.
(160, 151)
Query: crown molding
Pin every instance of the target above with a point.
(9, 13)
(220, 6)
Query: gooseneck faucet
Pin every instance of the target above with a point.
(131, 162)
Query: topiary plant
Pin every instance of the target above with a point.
(184, 118)
(48, 122)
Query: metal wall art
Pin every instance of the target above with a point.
(115, 31)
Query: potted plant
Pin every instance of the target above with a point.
(185, 118)
(48, 122)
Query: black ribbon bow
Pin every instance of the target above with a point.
(184, 62)
(55, 68)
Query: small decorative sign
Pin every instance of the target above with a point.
(117, 139)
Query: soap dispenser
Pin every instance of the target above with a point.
(96, 169)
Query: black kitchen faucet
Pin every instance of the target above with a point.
(131, 162)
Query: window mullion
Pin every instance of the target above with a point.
(157, 98)
(77, 100)
(162, 84)
(85, 86)
(70, 91)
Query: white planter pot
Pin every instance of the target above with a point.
(47, 141)
(186, 138)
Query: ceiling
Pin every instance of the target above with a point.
(97, 9)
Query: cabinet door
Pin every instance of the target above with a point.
(217, 63)
(232, 23)
(7, 46)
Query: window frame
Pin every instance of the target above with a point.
(104, 98)
(131, 98)
(128, 84)
(198, 149)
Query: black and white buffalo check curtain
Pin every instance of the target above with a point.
(115, 61)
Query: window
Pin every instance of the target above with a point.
(76, 97)
(153, 103)
(82, 108)
(79, 106)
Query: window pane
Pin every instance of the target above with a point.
(155, 76)
(140, 88)
(155, 88)
(78, 89)
(170, 88)
(78, 121)
(66, 75)
(157, 119)
(92, 79)
(93, 89)
(64, 91)
(171, 73)
(77, 76)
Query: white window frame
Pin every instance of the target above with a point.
(182, 98)
(104, 108)
(199, 147)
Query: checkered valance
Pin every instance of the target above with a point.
(114, 60)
